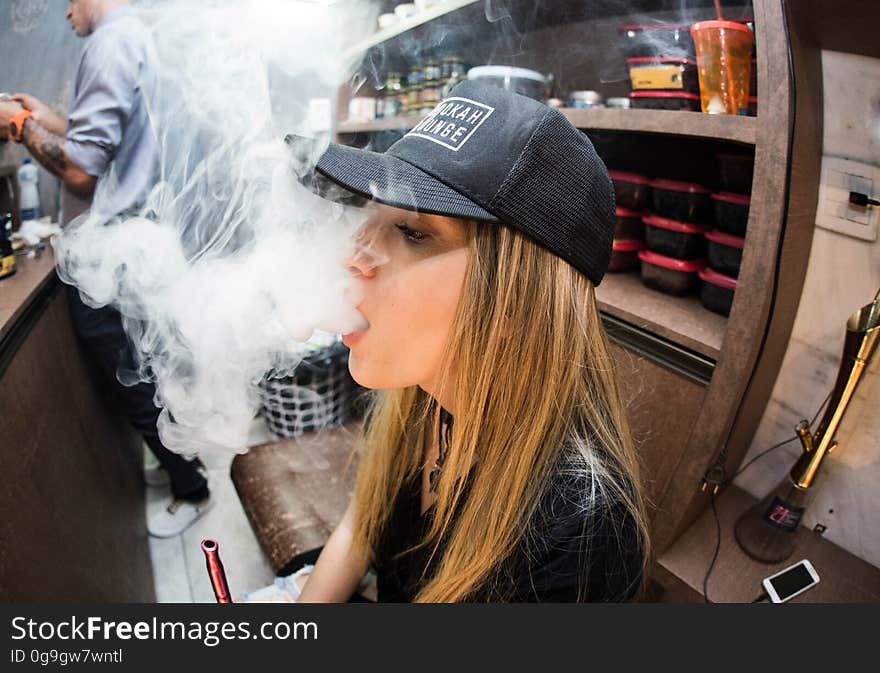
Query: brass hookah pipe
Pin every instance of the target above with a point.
(862, 337)
(766, 531)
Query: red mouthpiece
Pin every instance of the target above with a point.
(215, 570)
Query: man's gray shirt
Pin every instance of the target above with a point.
(108, 130)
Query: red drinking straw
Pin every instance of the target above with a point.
(718, 10)
(215, 570)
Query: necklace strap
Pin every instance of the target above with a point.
(444, 434)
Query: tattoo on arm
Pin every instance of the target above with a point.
(46, 147)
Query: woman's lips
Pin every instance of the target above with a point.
(352, 338)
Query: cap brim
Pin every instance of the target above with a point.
(386, 179)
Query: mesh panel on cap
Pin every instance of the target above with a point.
(560, 195)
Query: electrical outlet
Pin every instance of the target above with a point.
(834, 212)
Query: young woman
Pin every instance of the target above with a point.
(497, 464)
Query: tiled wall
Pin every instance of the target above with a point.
(843, 274)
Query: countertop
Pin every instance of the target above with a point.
(19, 290)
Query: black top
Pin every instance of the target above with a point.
(563, 548)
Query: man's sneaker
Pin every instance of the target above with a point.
(177, 517)
(156, 475)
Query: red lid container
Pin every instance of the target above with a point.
(674, 225)
(732, 210)
(686, 265)
(679, 186)
(665, 100)
(631, 190)
(684, 95)
(652, 26)
(626, 245)
(726, 239)
(717, 279)
(730, 197)
(671, 60)
(623, 176)
(624, 255)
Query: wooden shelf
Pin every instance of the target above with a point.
(526, 16)
(682, 320)
(406, 25)
(390, 124)
(688, 124)
(736, 578)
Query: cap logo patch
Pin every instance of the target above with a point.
(453, 122)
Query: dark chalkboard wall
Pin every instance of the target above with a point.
(39, 54)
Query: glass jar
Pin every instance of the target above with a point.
(446, 68)
(392, 101)
(431, 72)
(413, 104)
(585, 99)
(416, 76)
(7, 254)
(457, 68)
(392, 83)
(430, 94)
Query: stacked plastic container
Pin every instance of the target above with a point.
(675, 236)
(727, 240)
(662, 66)
(683, 236)
(661, 63)
(632, 193)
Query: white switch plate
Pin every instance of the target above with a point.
(834, 211)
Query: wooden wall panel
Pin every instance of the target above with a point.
(72, 516)
(661, 407)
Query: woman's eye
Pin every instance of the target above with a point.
(411, 234)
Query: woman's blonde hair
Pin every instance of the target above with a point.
(528, 366)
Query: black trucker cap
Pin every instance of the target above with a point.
(488, 154)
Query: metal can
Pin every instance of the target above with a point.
(430, 94)
(431, 72)
(416, 76)
(412, 100)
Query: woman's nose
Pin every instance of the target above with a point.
(364, 257)
(361, 262)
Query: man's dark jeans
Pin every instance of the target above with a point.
(101, 332)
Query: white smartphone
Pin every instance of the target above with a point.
(791, 581)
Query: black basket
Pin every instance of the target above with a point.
(320, 393)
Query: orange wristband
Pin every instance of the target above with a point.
(16, 124)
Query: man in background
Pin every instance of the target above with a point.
(107, 144)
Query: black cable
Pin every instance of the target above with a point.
(717, 549)
(776, 446)
(716, 482)
(763, 597)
